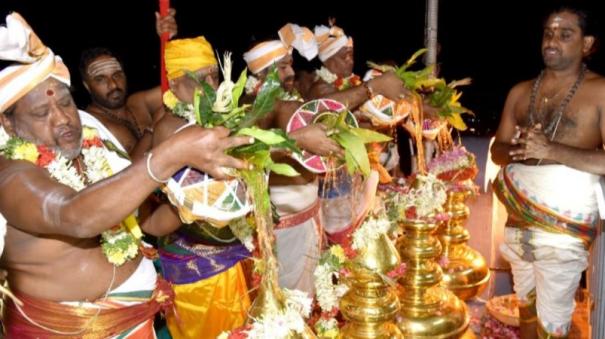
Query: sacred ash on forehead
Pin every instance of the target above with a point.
(109, 65)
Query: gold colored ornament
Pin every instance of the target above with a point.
(465, 271)
(427, 309)
(371, 304)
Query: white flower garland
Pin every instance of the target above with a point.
(324, 74)
(252, 85)
(119, 244)
(327, 293)
(281, 325)
(371, 229)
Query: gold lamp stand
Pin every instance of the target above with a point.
(465, 272)
(427, 309)
(371, 304)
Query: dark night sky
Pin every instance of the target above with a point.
(497, 43)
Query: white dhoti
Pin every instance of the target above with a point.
(298, 235)
(552, 216)
(552, 269)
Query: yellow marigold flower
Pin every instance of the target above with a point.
(116, 257)
(26, 151)
(170, 100)
(89, 133)
(338, 252)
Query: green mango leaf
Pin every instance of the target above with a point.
(283, 169)
(248, 150)
(259, 159)
(238, 89)
(266, 136)
(368, 136)
(350, 162)
(354, 144)
(412, 59)
(289, 144)
(265, 100)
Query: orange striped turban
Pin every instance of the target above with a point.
(33, 62)
(183, 55)
(331, 40)
(291, 36)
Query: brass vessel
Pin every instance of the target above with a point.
(427, 309)
(270, 300)
(465, 271)
(370, 305)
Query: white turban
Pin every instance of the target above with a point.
(291, 36)
(34, 62)
(331, 40)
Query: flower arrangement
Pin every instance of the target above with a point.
(457, 164)
(338, 262)
(119, 244)
(221, 202)
(457, 167)
(421, 199)
(278, 325)
(439, 94)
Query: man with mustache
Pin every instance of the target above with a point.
(550, 144)
(129, 118)
(61, 193)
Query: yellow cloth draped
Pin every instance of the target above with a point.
(208, 307)
(183, 55)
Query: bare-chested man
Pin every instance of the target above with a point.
(550, 144)
(128, 118)
(55, 263)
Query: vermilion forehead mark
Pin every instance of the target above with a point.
(50, 92)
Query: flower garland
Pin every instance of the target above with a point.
(423, 199)
(455, 165)
(278, 325)
(119, 244)
(328, 294)
(371, 229)
(179, 108)
(333, 265)
(340, 83)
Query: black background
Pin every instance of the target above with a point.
(497, 43)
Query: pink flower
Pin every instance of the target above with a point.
(397, 272)
(344, 272)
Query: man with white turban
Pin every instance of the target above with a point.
(299, 232)
(58, 201)
(336, 80)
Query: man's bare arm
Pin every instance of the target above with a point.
(503, 144)
(145, 103)
(32, 201)
(164, 220)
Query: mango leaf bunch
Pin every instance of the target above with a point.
(222, 107)
(351, 139)
(437, 92)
